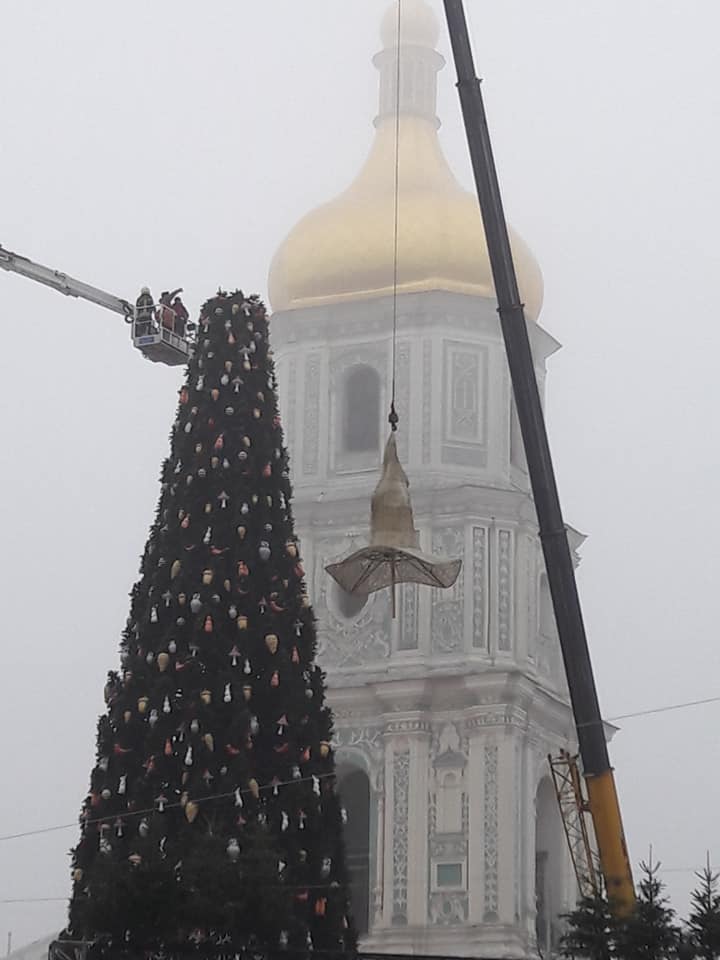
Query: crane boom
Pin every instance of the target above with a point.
(167, 343)
(14, 263)
(602, 794)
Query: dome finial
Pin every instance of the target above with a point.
(419, 25)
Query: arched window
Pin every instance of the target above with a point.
(361, 410)
(348, 605)
(354, 790)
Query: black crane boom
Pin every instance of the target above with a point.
(604, 806)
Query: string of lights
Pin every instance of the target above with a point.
(126, 815)
(271, 786)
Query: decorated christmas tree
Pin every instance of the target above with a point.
(212, 826)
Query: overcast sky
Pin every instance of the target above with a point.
(175, 143)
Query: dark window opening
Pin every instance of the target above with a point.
(361, 420)
(354, 790)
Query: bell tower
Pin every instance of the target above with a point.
(444, 715)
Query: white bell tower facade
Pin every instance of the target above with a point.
(446, 714)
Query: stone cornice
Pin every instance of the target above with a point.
(475, 317)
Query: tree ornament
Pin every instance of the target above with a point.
(275, 679)
(272, 643)
(264, 551)
(220, 442)
(254, 788)
(324, 749)
(122, 785)
(283, 939)
(208, 625)
(254, 499)
(223, 498)
(149, 657)
(185, 522)
(254, 725)
(244, 509)
(163, 661)
(153, 719)
(234, 654)
(242, 456)
(127, 716)
(202, 473)
(291, 548)
(237, 383)
(241, 531)
(166, 705)
(142, 704)
(214, 462)
(209, 742)
(295, 656)
(207, 576)
(242, 622)
(215, 394)
(189, 757)
(233, 849)
(227, 694)
(247, 692)
(106, 793)
(267, 471)
(316, 785)
(198, 448)
(247, 442)
(191, 811)
(172, 647)
(208, 535)
(224, 379)
(175, 569)
(229, 411)
(206, 697)
(257, 413)
(104, 846)
(232, 611)
(247, 669)
(208, 509)
(242, 569)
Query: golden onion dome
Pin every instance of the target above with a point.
(344, 250)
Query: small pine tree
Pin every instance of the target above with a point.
(650, 932)
(590, 930)
(704, 919)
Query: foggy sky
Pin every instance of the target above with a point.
(175, 143)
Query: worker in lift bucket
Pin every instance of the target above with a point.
(144, 313)
(167, 314)
(181, 316)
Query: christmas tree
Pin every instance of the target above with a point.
(704, 920)
(650, 932)
(212, 826)
(590, 930)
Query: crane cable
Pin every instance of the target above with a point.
(393, 417)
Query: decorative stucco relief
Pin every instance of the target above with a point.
(505, 597)
(448, 606)
(490, 832)
(311, 433)
(401, 795)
